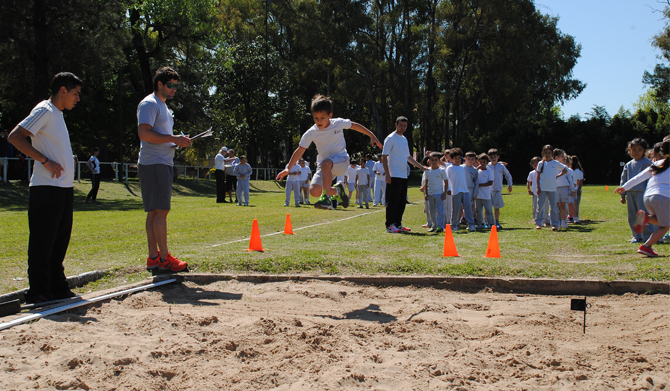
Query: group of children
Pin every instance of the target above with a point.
(645, 189)
(556, 186)
(467, 185)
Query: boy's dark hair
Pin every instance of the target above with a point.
(447, 152)
(164, 75)
(95, 149)
(321, 103)
(636, 141)
(665, 151)
(425, 161)
(65, 79)
(368, 156)
(471, 154)
(353, 161)
(243, 157)
(535, 159)
(402, 118)
(435, 154)
(483, 156)
(455, 152)
(493, 151)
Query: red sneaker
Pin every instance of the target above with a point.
(172, 264)
(640, 221)
(152, 264)
(404, 229)
(647, 251)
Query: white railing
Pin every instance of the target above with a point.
(129, 170)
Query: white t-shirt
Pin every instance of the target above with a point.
(351, 174)
(658, 184)
(152, 111)
(220, 162)
(293, 178)
(379, 167)
(362, 175)
(456, 178)
(50, 136)
(499, 171)
(532, 178)
(329, 141)
(548, 172)
(485, 176)
(95, 163)
(566, 180)
(231, 162)
(577, 175)
(434, 180)
(397, 151)
(304, 173)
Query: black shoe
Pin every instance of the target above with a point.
(38, 299)
(342, 194)
(67, 294)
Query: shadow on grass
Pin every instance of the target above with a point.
(80, 205)
(371, 313)
(14, 195)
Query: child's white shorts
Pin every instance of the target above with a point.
(351, 186)
(659, 206)
(562, 194)
(338, 169)
(496, 199)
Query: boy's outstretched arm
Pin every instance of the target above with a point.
(362, 129)
(297, 154)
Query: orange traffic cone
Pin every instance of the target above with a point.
(449, 245)
(493, 249)
(606, 189)
(288, 229)
(255, 242)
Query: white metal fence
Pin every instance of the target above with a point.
(124, 171)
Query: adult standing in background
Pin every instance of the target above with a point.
(155, 164)
(370, 164)
(395, 157)
(51, 197)
(305, 178)
(220, 174)
(231, 178)
(93, 164)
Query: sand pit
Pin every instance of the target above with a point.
(319, 335)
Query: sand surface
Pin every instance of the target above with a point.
(325, 336)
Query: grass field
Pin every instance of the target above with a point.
(213, 238)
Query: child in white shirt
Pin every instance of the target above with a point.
(434, 183)
(362, 184)
(292, 185)
(459, 192)
(578, 177)
(531, 183)
(333, 159)
(380, 183)
(564, 188)
(500, 171)
(243, 172)
(350, 178)
(483, 201)
(548, 170)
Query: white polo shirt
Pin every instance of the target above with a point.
(397, 151)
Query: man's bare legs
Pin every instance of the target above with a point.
(156, 226)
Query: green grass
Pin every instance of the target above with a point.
(213, 238)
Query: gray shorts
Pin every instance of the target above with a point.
(496, 199)
(338, 169)
(156, 186)
(562, 194)
(659, 206)
(351, 186)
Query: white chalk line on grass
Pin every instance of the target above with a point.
(301, 228)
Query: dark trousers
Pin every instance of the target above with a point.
(50, 222)
(231, 184)
(396, 197)
(220, 176)
(95, 185)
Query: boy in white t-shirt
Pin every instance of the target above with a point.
(380, 183)
(483, 201)
(459, 191)
(350, 178)
(333, 159)
(305, 177)
(362, 184)
(293, 185)
(93, 164)
(548, 171)
(434, 185)
(500, 171)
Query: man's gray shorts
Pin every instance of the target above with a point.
(156, 186)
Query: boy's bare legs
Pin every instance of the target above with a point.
(156, 226)
(496, 212)
(326, 179)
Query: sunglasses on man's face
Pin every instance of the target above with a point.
(172, 86)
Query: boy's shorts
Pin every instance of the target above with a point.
(351, 186)
(496, 199)
(304, 184)
(562, 194)
(338, 169)
(659, 206)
